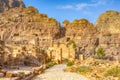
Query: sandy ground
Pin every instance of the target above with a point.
(57, 73)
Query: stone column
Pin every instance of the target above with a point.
(60, 55)
(50, 55)
(81, 57)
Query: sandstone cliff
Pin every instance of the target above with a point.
(26, 25)
(24, 31)
(7, 4)
(110, 21)
(79, 28)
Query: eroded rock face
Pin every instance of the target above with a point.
(87, 46)
(7, 4)
(79, 29)
(27, 26)
(82, 32)
(109, 21)
(111, 45)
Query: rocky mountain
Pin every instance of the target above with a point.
(110, 21)
(7, 4)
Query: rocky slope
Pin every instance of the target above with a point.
(7, 4)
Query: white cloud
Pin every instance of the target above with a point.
(86, 5)
(81, 6)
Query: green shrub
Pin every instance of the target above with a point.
(113, 72)
(50, 64)
(22, 73)
(100, 53)
(83, 69)
(71, 42)
(70, 63)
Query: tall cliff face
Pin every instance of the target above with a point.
(7, 4)
(26, 25)
(109, 21)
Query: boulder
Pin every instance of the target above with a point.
(3, 71)
(8, 74)
(37, 70)
(1, 74)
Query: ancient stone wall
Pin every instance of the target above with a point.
(60, 51)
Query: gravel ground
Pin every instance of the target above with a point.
(57, 73)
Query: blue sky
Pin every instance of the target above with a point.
(74, 9)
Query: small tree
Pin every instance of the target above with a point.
(100, 53)
(71, 42)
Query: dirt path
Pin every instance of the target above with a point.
(57, 73)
